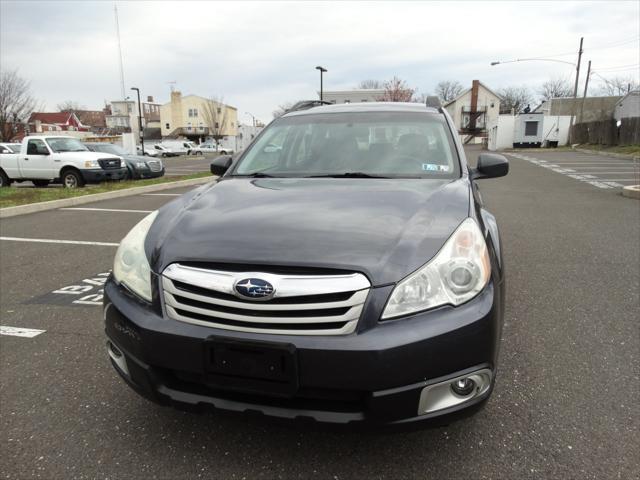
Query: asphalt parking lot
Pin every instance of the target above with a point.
(565, 405)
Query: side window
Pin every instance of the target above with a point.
(37, 147)
(4, 150)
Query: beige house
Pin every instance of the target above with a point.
(189, 116)
(473, 110)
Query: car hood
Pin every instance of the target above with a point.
(87, 155)
(384, 228)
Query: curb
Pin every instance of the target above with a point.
(96, 197)
(608, 154)
(632, 191)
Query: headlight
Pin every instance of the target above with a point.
(141, 165)
(458, 272)
(131, 266)
(91, 164)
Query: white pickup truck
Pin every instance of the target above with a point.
(45, 159)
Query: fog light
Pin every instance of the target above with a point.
(454, 391)
(463, 386)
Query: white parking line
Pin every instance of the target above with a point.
(105, 210)
(161, 194)
(20, 332)
(50, 240)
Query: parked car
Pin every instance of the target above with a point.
(45, 159)
(9, 148)
(181, 147)
(348, 282)
(149, 151)
(137, 165)
(164, 151)
(211, 148)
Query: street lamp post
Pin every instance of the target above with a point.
(252, 116)
(322, 70)
(575, 87)
(140, 120)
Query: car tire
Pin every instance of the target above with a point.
(128, 175)
(223, 152)
(72, 179)
(40, 183)
(198, 153)
(4, 180)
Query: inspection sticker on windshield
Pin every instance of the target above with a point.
(433, 167)
(83, 293)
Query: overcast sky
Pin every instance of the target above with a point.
(259, 55)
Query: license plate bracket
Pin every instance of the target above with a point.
(251, 366)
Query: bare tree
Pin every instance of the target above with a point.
(370, 84)
(396, 90)
(70, 106)
(215, 114)
(448, 90)
(282, 109)
(555, 88)
(514, 99)
(16, 102)
(618, 86)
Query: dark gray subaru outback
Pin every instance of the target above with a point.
(342, 269)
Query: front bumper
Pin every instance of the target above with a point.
(148, 173)
(374, 376)
(101, 175)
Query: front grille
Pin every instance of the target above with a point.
(154, 165)
(109, 163)
(301, 304)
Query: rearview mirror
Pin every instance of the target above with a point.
(221, 164)
(490, 165)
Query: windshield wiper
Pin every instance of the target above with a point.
(348, 175)
(255, 175)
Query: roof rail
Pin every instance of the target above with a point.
(306, 105)
(433, 101)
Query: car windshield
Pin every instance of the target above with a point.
(362, 144)
(14, 147)
(109, 148)
(66, 145)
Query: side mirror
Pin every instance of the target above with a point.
(221, 164)
(490, 165)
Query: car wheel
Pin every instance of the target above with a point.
(128, 175)
(72, 179)
(4, 180)
(222, 152)
(198, 153)
(40, 183)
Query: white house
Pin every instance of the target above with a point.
(628, 106)
(533, 129)
(473, 110)
(357, 95)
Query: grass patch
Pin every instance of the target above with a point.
(14, 196)
(625, 149)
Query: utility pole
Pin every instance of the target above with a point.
(141, 133)
(575, 91)
(586, 86)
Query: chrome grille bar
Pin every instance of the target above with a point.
(185, 299)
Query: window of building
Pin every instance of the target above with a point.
(217, 125)
(219, 110)
(189, 126)
(195, 112)
(129, 108)
(364, 100)
(530, 129)
(166, 125)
